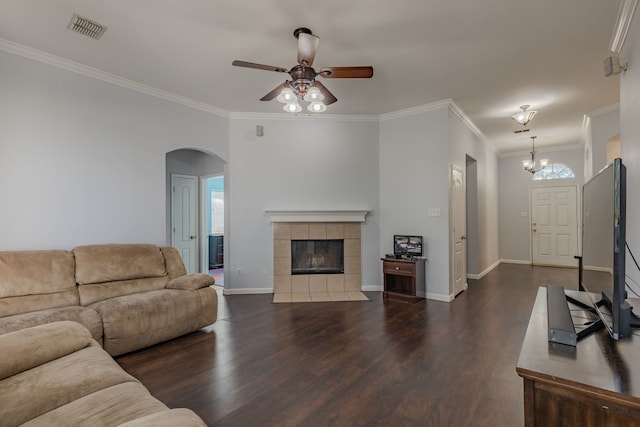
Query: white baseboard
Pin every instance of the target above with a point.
(440, 297)
(516, 261)
(373, 288)
(484, 272)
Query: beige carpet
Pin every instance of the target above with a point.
(282, 297)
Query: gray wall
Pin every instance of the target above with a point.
(483, 250)
(603, 127)
(83, 161)
(299, 164)
(514, 205)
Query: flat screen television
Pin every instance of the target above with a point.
(603, 247)
(405, 246)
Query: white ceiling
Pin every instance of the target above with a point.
(490, 56)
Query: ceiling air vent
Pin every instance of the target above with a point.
(86, 27)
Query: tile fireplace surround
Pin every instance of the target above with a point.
(317, 225)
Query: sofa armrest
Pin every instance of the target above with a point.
(191, 282)
(27, 348)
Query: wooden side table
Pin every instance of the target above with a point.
(404, 279)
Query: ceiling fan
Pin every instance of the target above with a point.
(303, 83)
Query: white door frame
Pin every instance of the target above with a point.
(578, 214)
(453, 233)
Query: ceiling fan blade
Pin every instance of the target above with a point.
(328, 96)
(273, 93)
(307, 47)
(259, 66)
(347, 72)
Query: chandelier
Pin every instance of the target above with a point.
(534, 165)
(523, 117)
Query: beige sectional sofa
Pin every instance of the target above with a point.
(129, 296)
(56, 374)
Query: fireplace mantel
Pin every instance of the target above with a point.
(317, 216)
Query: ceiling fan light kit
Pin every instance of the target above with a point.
(303, 84)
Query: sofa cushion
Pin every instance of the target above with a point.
(112, 270)
(109, 406)
(139, 320)
(173, 262)
(90, 294)
(87, 317)
(46, 387)
(31, 347)
(36, 280)
(26, 303)
(115, 262)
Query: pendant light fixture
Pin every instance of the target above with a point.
(534, 165)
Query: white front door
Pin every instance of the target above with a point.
(554, 226)
(184, 215)
(458, 225)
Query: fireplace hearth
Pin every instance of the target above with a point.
(317, 256)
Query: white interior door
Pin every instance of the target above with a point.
(458, 230)
(554, 225)
(184, 215)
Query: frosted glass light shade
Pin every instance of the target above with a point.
(313, 95)
(287, 96)
(524, 116)
(316, 107)
(292, 107)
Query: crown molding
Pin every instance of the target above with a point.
(450, 104)
(625, 15)
(75, 67)
(604, 110)
(415, 110)
(303, 116)
(455, 108)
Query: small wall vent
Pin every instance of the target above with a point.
(86, 27)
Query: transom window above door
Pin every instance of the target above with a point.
(554, 171)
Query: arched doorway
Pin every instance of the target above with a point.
(187, 212)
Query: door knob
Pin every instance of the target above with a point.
(192, 237)
(463, 237)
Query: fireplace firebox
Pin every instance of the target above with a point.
(317, 256)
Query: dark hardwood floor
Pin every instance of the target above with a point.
(355, 363)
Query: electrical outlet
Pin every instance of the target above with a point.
(238, 271)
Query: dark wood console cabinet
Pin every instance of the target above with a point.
(403, 279)
(596, 383)
(216, 251)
